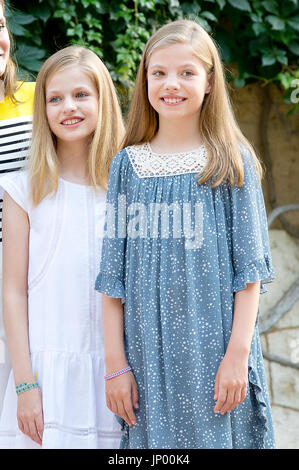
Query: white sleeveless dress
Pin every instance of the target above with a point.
(64, 312)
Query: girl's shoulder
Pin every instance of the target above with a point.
(119, 164)
(121, 156)
(133, 154)
(127, 160)
(16, 184)
(249, 165)
(18, 178)
(246, 155)
(127, 155)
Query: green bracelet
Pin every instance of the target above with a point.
(25, 386)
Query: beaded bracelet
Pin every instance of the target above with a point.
(25, 386)
(119, 372)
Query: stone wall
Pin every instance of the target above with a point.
(282, 339)
(283, 139)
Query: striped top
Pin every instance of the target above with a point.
(15, 131)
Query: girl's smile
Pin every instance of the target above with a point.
(74, 121)
(172, 100)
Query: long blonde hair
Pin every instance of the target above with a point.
(9, 75)
(220, 132)
(43, 160)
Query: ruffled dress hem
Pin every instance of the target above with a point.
(261, 405)
(54, 434)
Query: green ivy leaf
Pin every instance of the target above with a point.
(271, 6)
(221, 3)
(294, 23)
(282, 59)
(42, 12)
(23, 18)
(284, 80)
(204, 24)
(16, 21)
(208, 15)
(17, 29)
(87, 3)
(240, 4)
(31, 51)
(256, 18)
(259, 28)
(268, 60)
(277, 23)
(174, 3)
(30, 58)
(294, 47)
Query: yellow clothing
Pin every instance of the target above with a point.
(25, 95)
(16, 128)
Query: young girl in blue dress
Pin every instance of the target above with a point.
(185, 257)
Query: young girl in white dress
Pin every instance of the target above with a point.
(53, 217)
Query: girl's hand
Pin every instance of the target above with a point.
(122, 396)
(30, 414)
(230, 383)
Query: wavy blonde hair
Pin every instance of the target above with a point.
(219, 130)
(9, 76)
(43, 161)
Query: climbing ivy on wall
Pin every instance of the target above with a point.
(258, 39)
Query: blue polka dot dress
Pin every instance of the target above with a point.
(175, 252)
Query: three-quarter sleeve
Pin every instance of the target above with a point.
(251, 255)
(111, 277)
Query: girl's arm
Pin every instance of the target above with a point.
(232, 375)
(121, 391)
(15, 227)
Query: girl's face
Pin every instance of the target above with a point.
(72, 105)
(177, 82)
(4, 43)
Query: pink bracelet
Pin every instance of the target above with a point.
(119, 372)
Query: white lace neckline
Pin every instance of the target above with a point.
(149, 164)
